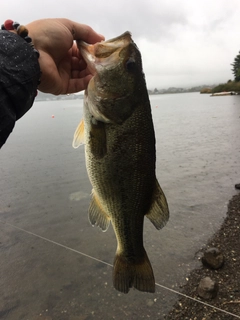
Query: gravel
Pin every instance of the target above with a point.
(227, 240)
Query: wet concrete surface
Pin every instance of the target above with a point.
(45, 194)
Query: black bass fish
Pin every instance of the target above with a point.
(119, 138)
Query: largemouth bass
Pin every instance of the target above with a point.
(118, 133)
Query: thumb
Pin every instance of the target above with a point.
(82, 32)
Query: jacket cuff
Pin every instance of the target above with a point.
(19, 78)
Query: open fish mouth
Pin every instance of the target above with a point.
(103, 54)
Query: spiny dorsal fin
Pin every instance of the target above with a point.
(158, 213)
(97, 215)
(78, 138)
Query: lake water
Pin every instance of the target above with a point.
(47, 246)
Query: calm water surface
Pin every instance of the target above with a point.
(45, 193)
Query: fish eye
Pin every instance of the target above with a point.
(131, 65)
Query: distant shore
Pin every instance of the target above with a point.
(180, 90)
(48, 97)
(230, 86)
(208, 89)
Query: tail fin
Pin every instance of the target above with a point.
(128, 274)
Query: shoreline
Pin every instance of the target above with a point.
(227, 240)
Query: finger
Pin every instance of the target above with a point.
(82, 31)
(75, 51)
(76, 74)
(86, 33)
(76, 85)
(77, 64)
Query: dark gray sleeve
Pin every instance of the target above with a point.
(19, 76)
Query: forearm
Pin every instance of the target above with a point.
(19, 76)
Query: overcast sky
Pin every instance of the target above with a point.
(183, 42)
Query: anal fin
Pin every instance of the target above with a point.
(97, 215)
(158, 213)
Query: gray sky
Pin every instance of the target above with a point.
(183, 42)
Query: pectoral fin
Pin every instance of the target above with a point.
(78, 138)
(97, 215)
(158, 213)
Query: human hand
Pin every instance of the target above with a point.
(63, 68)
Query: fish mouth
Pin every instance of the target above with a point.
(103, 54)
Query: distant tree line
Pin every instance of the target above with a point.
(178, 90)
(236, 68)
(231, 85)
